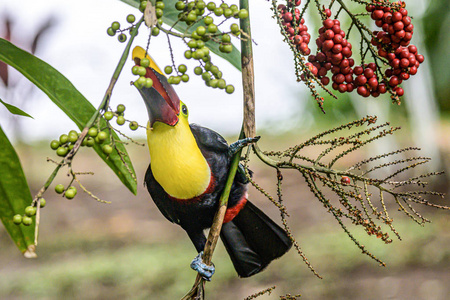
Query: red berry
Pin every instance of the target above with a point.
(360, 80)
(368, 73)
(393, 82)
(328, 23)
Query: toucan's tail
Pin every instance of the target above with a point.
(253, 240)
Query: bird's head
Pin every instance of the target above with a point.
(162, 102)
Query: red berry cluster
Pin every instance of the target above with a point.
(366, 81)
(334, 53)
(392, 43)
(295, 27)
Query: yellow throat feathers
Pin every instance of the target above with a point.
(176, 161)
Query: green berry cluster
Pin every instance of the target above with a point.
(69, 193)
(66, 142)
(181, 74)
(29, 213)
(141, 70)
(115, 26)
(120, 111)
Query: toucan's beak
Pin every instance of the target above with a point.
(163, 104)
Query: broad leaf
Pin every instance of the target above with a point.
(14, 197)
(15, 110)
(62, 92)
(170, 17)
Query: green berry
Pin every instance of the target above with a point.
(120, 120)
(212, 28)
(221, 84)
(141, 71)
(243, 14)
(140, 82)
(63, 138)
(131, 18)
(198, 54)
(208, 20)
(70, 193)
(92, 132)
(185, 77)
(59, 188)
(180, 5)
(134, 70)
(110, 31)
(224, 5)
(214, 70)
(17, 219)
(84, 142)
(168, 70)
(226, 38)
(102, 135)
(213, 83)
(27, 221)
(208, 66)
(200, 4)
(160, 5)
(90, 142)
(198, 71)
(191, 17)
(122, 38)
(62, 151)
(227, 13)
(115, 25)
(218, 75)
(234, 28)
(145, 62)
(182, 68)
(155, 31)
(218, 11)
(42, 202)
(206, 76)
(30, 211)
(211, 6)
(148, 83)
(188, 54)
(120, 108)
(133, 125)
(159, 12)
(73, 137)
(55, 144)
(227, 48)
(108, 115)
(176, 79)
(200, 44)
(201, 30)
(142, 6)
(229, 89)
(192, 44)
(107, 149)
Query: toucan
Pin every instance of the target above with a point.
(188, 169)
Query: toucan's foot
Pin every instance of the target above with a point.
(205, 271)
(238, 145)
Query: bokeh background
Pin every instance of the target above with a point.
(127, 250)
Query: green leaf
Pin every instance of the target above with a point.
(62, 92)
(15, 110)
(170, 17)
(14, 196)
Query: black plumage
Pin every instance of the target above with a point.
(252, 239)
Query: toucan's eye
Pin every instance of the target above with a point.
(184, 109)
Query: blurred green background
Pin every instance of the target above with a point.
(127, 250)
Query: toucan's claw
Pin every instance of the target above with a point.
(204, 270)
(238, 145)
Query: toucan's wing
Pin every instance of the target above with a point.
(209, 139)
